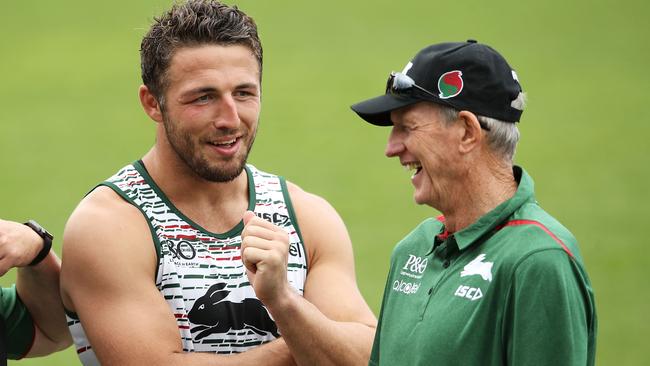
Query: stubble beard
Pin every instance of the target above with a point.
(188, 151)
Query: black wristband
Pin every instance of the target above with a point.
(47, 241)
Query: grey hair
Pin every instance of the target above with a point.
(502, 137)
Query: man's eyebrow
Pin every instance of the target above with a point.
(200, 90)
(211, 89)
(246, 86)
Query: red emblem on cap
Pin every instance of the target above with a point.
(450, 84)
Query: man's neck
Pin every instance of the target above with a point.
(479, 193)
(217, 207)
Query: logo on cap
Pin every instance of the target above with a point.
(450, 84)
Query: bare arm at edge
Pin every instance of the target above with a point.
(38, 288)
(108, 275)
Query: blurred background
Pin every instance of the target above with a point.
(70, 117)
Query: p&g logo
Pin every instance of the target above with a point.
(416, 264)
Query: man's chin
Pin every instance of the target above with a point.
(420, 200)
(220, 174)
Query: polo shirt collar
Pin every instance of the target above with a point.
(488, 222)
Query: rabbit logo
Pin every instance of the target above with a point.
(214, 315)
(478, 267)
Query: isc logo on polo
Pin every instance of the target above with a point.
(472, 293)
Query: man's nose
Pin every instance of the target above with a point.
(395, 145)
(227, 114)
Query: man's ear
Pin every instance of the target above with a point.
(472, 134)
(150, 104)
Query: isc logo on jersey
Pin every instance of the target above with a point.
(476, 267)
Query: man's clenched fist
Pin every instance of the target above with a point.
(264, 251)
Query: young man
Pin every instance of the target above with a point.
(190, 256)
(32, 322)
(496, 280)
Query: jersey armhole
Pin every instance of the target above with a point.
(292, 215)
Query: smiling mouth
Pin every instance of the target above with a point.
(416, 167)
(226, 144)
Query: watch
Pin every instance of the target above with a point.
(47, 241)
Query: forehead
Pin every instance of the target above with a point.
(213, 63)
(418, 113)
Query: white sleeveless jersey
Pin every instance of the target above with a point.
(200, 273)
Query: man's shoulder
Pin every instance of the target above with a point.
(532, 244)
(322, 228)
(307, 205)
(101, 211)
(127, 176)
(102, 200)
(296, 193)
(305, 199)
(104, 227)
(106, 198)
(533, 239)
(420, 239)
(535, 229)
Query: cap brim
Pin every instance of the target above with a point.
(377, 110)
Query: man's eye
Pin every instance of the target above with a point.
(403, 128)
(203, 99)
(243, 93)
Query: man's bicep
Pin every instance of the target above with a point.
(336, 295)
(108, 281)
(546, 318)
(331, 282)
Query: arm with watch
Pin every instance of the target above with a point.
(28, 248)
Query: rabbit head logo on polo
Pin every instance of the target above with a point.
(478, 267)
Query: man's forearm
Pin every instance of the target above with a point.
(274, 353)
(38, 288)
(315, 339)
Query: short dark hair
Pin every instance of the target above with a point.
(188, 24)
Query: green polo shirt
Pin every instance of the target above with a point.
(510, 289)
(19, 327)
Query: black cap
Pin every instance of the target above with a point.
(464, 75)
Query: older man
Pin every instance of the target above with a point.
(495, 280)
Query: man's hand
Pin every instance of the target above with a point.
(264, 251)
(331, 325)
(19, 245)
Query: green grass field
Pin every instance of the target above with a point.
(69, 117)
